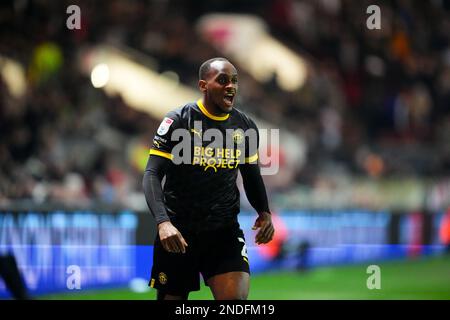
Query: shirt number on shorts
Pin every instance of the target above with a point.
(244, 247)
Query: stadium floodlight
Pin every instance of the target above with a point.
(133, 76)
(100, 75)
(245, 38)
(13, 74)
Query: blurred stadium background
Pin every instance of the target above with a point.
(364, 152)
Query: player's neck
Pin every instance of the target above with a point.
(212, 109)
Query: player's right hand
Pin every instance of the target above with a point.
(171, 238)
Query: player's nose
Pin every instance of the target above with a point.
(231, 87)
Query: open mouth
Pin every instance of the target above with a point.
(229, 98)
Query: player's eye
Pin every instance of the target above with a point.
(222, 80)
(234, 80)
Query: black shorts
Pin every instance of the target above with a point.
(209, 253)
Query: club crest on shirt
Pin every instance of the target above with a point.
(164, 126)
(162, 277)
(238, 136)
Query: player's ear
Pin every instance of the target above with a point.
(202, 85)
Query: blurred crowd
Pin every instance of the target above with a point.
(388, 112)
(377, 104)
(64, 141)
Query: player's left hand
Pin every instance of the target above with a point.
(265, 226)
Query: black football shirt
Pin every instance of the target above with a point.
(206, 151)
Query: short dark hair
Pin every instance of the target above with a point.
(206, 66)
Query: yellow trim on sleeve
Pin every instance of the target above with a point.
(161, 154)
(208, 114)
(252, 158)
(246, 260)
(152, 283)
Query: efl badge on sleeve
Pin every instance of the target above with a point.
(164, 126)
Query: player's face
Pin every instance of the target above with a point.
(221, 86)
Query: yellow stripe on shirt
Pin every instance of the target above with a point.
(252, 158)
(161, 154)
(208, 114)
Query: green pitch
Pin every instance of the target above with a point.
(414, 279)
